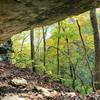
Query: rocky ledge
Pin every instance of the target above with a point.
(19, 15)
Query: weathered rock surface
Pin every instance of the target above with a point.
(19, 82)
(45, 92)
(13, 97)
(19, 15)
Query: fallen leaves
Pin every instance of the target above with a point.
(36, 87)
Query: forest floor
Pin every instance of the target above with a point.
(44, 88)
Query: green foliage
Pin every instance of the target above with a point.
(69, 39)
(40, 68)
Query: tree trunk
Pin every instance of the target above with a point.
(72, 68)
(85, 54)
(58, 42)
(32, 49)
(44, 46)
(97, 48)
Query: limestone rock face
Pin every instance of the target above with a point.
(13, 97)
(19, 82)
(20, 15)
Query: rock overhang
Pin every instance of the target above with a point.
(19, 15)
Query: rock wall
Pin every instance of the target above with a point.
(20, 15)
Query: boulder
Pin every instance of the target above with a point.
(42, 90)
(13, 97)
(19, 82)
(46, 92)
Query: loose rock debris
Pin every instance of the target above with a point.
(20, 84)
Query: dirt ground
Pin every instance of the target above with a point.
(9, 71)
